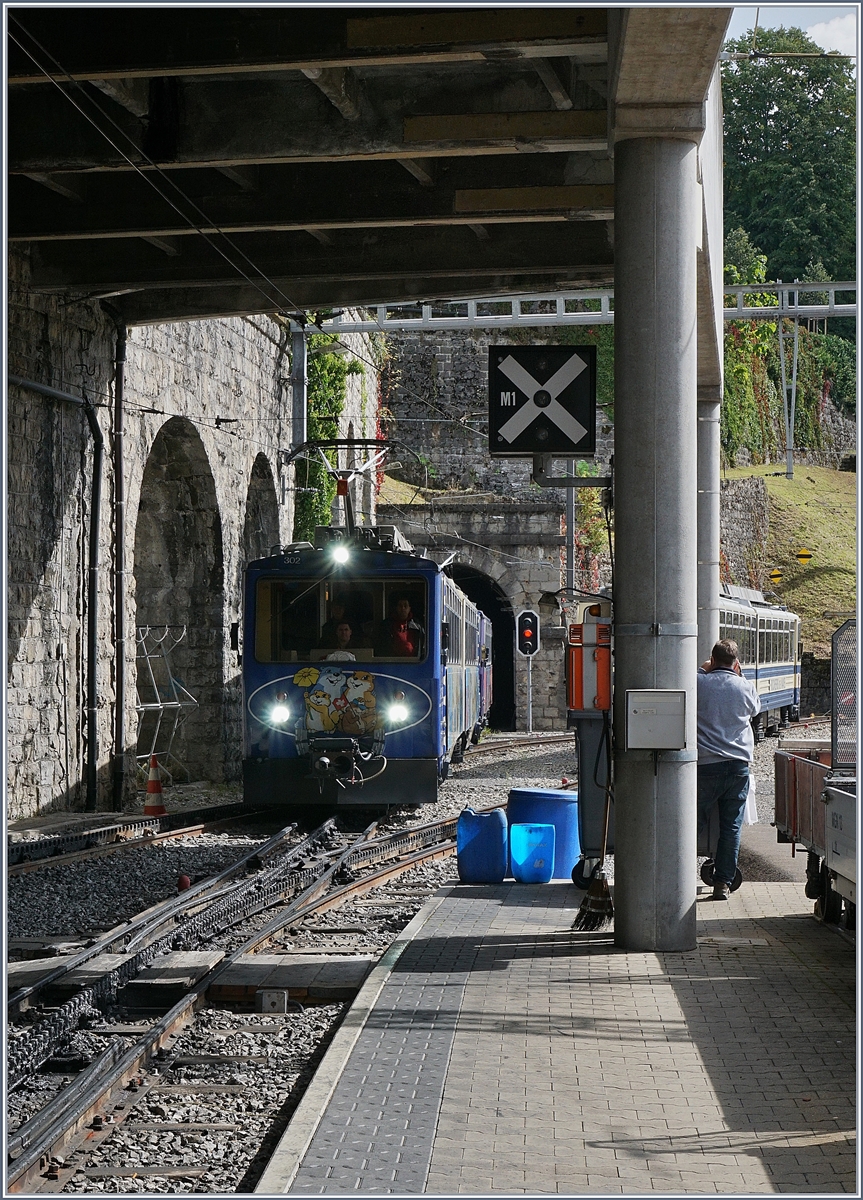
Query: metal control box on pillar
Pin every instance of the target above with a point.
(588, 702)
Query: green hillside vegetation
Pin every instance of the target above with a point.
(816, 510)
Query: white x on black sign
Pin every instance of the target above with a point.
(557, 389)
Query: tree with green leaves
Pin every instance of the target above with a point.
(790, 177)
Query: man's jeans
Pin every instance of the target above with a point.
(728, 784)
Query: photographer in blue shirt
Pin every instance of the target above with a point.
(726, 705)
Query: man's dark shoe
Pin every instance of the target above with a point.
(721, 891)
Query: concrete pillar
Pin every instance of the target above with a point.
(657, 219)
(708, 519)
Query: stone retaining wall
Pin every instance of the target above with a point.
(435, 386)
(207, 411)
(744, 523)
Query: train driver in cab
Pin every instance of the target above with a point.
(345, 644)
(401, 635)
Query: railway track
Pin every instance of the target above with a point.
(310, 880)
(23, 855)
(501, 746)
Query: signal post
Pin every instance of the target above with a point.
(542, 404)
(527, 644)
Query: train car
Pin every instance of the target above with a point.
(768, 636)
(362, 672)
(485, 676)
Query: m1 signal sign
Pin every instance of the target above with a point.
(541, 400)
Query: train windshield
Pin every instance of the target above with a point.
(361, 620)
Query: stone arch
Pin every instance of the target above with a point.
(180, 581)
(487, 594)
(261, 524)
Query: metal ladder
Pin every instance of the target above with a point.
(162, 701)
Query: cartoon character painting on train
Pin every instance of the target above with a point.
(338, 700)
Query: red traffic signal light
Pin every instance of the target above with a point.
(527, 633)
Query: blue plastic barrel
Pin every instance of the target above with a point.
(531, 850)
(481, 846)
(550, 807)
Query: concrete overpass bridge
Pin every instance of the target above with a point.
(192, 163)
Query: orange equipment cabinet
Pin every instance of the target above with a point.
(588, 667)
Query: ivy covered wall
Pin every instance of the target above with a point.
(752, 420)
(329, 372)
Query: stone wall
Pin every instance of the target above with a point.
(838, 441)
(206, 413)
(435, 388)
(515, 547)
(839, 437)
(435, 395)
(744, 522)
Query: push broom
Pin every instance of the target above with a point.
(596, 909)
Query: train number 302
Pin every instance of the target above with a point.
(836, 820)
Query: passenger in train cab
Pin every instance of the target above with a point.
(727, 702)
(338, 612)
(345, 644)
(401, 635)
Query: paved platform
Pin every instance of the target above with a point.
(495, 1050)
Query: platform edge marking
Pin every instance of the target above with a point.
(288, 1156)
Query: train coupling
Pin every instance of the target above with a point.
(334, 758)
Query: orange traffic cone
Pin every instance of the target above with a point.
(153, 806)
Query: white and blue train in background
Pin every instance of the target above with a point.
(768, 636)
(375, 720)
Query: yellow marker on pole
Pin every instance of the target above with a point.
(803, 555)
(775, 575)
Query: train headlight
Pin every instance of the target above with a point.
(397, 713)
(341, 554)
(279, 714)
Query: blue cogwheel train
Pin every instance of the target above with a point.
(366, 670)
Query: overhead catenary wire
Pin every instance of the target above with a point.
(300, 316)
(297, 315)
